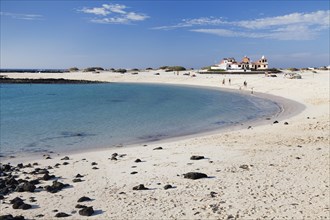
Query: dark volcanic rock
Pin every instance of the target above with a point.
(113, 158)
(16, 199)
(275, 122)
(286, 123)
(158, 148)
(26, 187)
(5, 167)
(78, 206)
(77, 180)
(34, 182)
(79, 176)
(140, 187)
(57, 186)
(25, 206)
(134, 172)
(84, 199)
(11, 181)
(61, 215)
(48, 177)
(65, 163)
(10, 217)
(17, 204)
(168, 186)
(94, 163)
(194, 175)
(65, 158)
(196, 157)
(138, 161)
(244, 167)
(213, 194)
(87, 211)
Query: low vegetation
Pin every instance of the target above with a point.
(172, 68)
(293, 69)
(274, 70)
(120, 70)
(73, 69)
(92, 69)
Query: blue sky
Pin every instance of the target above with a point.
(140, 34)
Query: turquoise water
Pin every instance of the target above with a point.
(41, 118)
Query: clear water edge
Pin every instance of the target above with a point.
(79, 136)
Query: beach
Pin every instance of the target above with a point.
(269, 169)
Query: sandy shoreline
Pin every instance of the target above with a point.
(285, 172)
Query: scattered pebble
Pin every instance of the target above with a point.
(61, 215)
(140, 187)
(65, 158)
(213, 194)
(244, 167)
(196, 157)
(194, 175)
(79, 206)
(87, 211)
(84, 199)
(77, 180)
(168, 186)
(10, 217)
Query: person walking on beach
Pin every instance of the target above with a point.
(223, 82)
(229, 81)
(245, 84)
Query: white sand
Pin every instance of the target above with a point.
(288, 165)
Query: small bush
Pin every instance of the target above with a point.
(73, 69)
(92, 69)
(177, 68)
(120, 70)
(293, 69)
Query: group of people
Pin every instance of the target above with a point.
(224, 81)
(244, 84)
(229, 81)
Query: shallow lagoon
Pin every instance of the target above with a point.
(41, 118)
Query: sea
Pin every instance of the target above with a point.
(45, 118)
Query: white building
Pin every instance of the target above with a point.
(230, 65)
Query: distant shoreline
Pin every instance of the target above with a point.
(6, 80)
